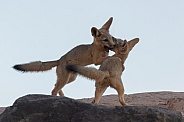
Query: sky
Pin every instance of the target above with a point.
(45, 30)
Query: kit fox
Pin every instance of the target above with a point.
(110, 71)
(83, 55)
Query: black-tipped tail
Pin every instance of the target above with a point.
(88, 72)
(18, 67)
(71, 68)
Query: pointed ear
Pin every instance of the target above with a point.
(133, 42)
(95, 32)
(107, 24)
(115, 40)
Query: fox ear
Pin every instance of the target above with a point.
(133, 42)
(95, 32)
(107, 25)
(116, 40)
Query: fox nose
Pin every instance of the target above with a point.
(112, 46)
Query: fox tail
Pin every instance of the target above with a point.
(88, 72)
(36, 66)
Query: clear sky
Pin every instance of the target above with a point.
(47, 29)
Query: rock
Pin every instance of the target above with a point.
(2, 109)
(45, 108)
(171, 100)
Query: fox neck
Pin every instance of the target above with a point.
(97, 46)
(123, 57)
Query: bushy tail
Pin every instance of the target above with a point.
(36, 66)
(88, 72)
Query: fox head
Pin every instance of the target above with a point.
(123, 47)
(102, 38)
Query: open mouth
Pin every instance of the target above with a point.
(106, 48)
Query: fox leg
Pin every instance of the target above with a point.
(98, 93)
(62, 79)
(61, 93)
(120, 89)
(72, 78)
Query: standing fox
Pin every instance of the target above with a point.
(83, 55)
(109, 73)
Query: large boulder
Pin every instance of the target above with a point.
(45, 108)
(164, 99)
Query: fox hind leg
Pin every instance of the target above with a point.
(120, 90)
(62, 79)
(118, 86)
(61, 93)
(71, 78)
(98, 93)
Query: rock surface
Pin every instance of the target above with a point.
(2, 109)
(45, 108)
(171, 100)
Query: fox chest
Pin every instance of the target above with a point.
(112, 65)
(99, 54)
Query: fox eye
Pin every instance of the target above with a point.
(105, 40)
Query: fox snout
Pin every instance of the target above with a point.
(112, 46)
(112, 43)
(109, 47)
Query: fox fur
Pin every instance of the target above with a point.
(110, 71)
(83, 55)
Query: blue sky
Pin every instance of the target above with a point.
(45, 30)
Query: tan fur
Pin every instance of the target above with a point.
(94, 53)
(110, 71)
